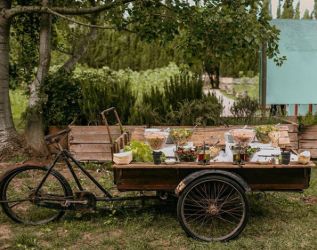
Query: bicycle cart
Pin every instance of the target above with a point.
(212, 201)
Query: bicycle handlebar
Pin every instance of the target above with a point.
(49, 138)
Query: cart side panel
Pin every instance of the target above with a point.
(276, 179)
(167, 179)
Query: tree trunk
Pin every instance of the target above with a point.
(217, 76)
(34, 125)
(10, 141)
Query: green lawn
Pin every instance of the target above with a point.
(253, 90)
(278, 221)
(18, 105)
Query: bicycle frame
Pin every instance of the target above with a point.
(65, 156)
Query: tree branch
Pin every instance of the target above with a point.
(9, 13)
(80, 23)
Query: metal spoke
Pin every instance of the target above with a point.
(213, 210)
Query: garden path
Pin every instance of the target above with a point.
(226, 101)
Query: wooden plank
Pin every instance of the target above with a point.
(84, 156)
(90, 148)
(87, 138)
(312, 128)
(308, 144)
(158, 178)
(308, 136)
(215, 165)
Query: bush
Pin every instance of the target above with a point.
(308, 120)
(83, 95)
(180, 88)
(162, 106)
(245, 107)
(62, 95)
(205, 111)
(102, 89)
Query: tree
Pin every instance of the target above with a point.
(306, 15)
(288, 10)
(297, 11)
(315, 9)
(279, 10)
(9, 139)
(211, 31)
(150, 18)
(226, 31)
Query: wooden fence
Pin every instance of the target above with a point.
(308, 140)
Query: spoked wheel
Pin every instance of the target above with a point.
(21, 204)
(213, 208)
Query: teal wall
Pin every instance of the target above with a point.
(295, 82)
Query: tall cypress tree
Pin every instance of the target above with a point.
(306, 15)
(297, 11)
(288, 10)
(279, 10)
(315, 9)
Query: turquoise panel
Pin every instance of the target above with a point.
(290, 110)
(303, 109)
(295, 82)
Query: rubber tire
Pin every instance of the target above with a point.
(218, 178)
(12, 173)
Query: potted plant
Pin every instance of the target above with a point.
(180, 136)
(263, 133)
(186, 154)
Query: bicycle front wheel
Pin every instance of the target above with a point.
(20, 202)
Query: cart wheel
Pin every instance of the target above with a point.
(213, 208)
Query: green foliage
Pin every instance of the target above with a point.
(288, 10)
(307, 15)
(102, 89)
(122, 50)
(19, 103)
(61, 97)
(245, 107)
(83, 94)
(24, 41)
(141, 152)
(307, 120)
(205, 111)
(180, 101)
(181, 88)
(297, 11)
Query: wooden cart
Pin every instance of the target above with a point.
(212, 201)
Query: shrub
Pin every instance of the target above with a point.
(102, 89)
(84, 94)
(245, 107)
(184, 87)
(62, 95)
(205, 111)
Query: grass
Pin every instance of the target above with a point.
(278, 221)
(253, 90)
(18, 105)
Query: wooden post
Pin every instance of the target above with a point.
(263, 79)
(296, 110)
(310, 108)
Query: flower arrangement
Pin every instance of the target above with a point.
(186, 154)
